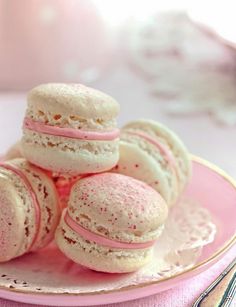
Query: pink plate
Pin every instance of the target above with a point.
(19, 279)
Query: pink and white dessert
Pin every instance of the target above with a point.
(29, 209)
(71, 129)
(151, 152)
(111, 223)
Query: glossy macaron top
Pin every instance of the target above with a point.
(65, 104)
(118, 207)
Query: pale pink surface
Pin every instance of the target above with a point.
(70, 132)
(197, 135)
(47, 40)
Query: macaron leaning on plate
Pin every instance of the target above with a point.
(111, 223)
(151, 152)
(29, 209)
(71, 128)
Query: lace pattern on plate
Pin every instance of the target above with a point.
(188, 229)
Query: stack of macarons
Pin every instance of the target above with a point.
(103, 194)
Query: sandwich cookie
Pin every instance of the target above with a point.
(111, 223)
(29, 209)
(154, 154)
(71, 129)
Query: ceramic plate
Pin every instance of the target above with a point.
(48, 278)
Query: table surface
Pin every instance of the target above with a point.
(202, 135)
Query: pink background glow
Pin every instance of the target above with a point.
(43, 41)
(73, 41)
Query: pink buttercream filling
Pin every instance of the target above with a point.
(70, 132)
(164, 150)
(33, 196)
(88, 235)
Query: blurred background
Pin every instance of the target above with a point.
(173, 61)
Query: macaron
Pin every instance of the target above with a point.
(154, 154)
(29, 209)
(71, 129)
(111, 223)
(14, 152)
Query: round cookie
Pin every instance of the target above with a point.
(152, 153)
(111, 223)
(29, 209)
(71, 128)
